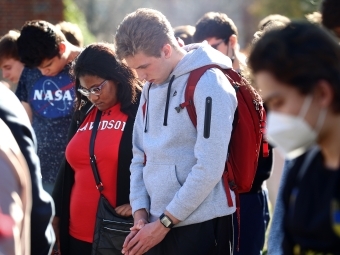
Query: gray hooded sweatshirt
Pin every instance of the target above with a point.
(183, 169)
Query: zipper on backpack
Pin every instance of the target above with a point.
(207, 117)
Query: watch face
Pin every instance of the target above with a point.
(166, 221)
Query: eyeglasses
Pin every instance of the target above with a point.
(217, 44)
(94, 91)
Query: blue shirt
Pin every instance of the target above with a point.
(51, 99)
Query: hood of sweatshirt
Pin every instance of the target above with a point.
(198, 55)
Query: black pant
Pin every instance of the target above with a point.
(213, 237)
(78, 247)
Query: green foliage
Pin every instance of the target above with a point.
(293, 9)
(74, 15)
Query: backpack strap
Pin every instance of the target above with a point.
(193, 79)
(265, 145)
(93, 162)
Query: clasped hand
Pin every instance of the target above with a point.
(143, 237)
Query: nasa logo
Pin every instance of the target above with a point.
(53, 97)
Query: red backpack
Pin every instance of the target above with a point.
(247, 135)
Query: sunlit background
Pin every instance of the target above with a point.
(98, 20)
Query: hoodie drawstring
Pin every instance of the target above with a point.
(165, 123)
(146, 112)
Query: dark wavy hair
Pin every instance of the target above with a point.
(39, 40)
(99, 59)
(214, 24)
(299, 55)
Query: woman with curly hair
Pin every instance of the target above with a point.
(104, 84)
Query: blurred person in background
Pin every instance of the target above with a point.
(304, 110)
(15, 196)
(269, 23)
(185, 33)
(277, 18)
(221, 33)
(46, 91)
(4, 83)
(13, 114)
(10, 64)
(72, 33)
(102, 84)
(278, 176)
(330, 10)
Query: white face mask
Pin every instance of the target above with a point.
(292, 134)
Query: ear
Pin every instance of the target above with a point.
(62, 48)
(167, 50)
(233, 41)
(324, 93)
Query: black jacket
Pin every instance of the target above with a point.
(15, 117)
(65, 178)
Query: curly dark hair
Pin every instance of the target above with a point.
(99, 59)
(214, 24)
(299, 55)
(330, 10)
(39, 40)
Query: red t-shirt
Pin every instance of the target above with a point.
(84, 195)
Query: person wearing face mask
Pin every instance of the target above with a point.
(298, 71)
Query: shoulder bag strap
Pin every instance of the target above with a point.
(99, 184)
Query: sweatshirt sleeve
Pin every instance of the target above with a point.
(139, 197)
(210, 150)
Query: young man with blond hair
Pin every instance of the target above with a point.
(177, 196)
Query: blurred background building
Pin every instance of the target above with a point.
(13, 13)
(98, 19)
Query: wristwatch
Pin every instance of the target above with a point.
(166, 221)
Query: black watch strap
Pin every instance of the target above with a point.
(166, 221)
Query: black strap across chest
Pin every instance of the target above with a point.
(99, 184)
